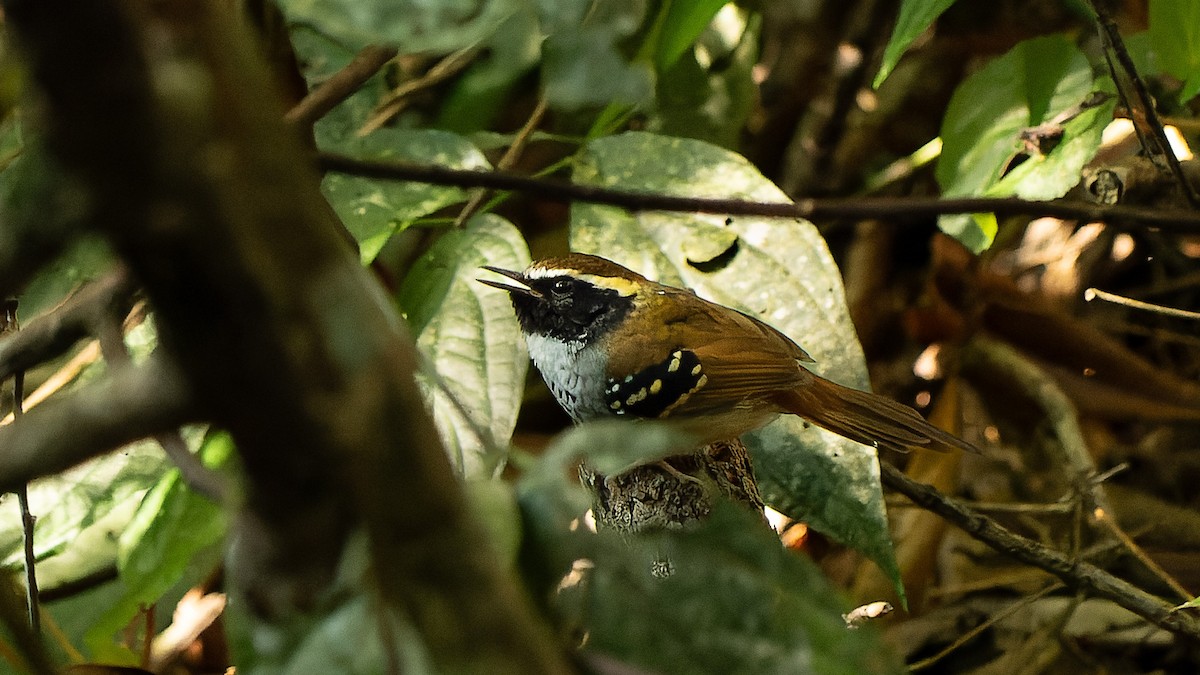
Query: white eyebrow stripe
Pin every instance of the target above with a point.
(623, 287)
(547, 272)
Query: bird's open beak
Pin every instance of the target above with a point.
(520, 287)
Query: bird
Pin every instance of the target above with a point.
(611, 343)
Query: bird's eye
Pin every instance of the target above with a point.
(561, 286)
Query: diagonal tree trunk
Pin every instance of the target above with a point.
(166, 116)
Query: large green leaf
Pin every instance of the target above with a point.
(352, 639)
(68, 503)
(581, 42)
(84, 260)
(777, 269)
(468, 332)
(374, 210)
(1175, 36)
(417, 25)
(583, 64)
(915, 16)
(1033, 83)
(711, 101)
(352, 630)
(174, 534)
(736, 601)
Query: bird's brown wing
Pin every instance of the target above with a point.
(744, 360)
(746, 370)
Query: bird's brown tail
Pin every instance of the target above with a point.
(867, 418)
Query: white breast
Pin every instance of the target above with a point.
(574, 373)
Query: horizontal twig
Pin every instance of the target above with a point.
(1095, 293)
(1076, 574)
(883, 208)
(340, 85)
(132, 404)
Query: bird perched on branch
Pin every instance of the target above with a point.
(610, 342)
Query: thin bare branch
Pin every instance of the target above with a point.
(340, 85)
(1076, 574)
(11, 325)
(886, 209)
(1112, 39)
(511, 155)
(976, 631)
(1130, 545)
(1095, 293)
(28, 644)
(397, 100)
(1057, 411)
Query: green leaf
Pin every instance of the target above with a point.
(685, 21)
(468, 332)
(12, 131)
(1190, 604)
(67, 504)
(321, 57)
(613, 446)
(1033, 83)
(495, 505)
(481, 95)
(84, 260)
(80, 515)
(174, 534)
(1175, 36)
(777, 269)
(351, 631)
(76, 613)
(416, 25)
(375, 210)
(583, 65)
(348, 640)
(1051, 176)
(736, 601)
(711, 102)
(915, 16)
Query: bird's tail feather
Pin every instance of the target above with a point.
(867, 418)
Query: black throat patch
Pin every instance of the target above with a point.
(570, 309)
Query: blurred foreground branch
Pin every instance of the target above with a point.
(66, 430)
(52, 334)
(282, 337)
